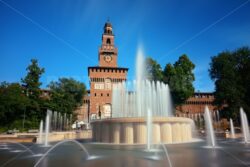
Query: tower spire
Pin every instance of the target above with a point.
(108, 28)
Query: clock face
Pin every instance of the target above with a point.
(107, 58)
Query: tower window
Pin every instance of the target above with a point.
(108, 94)
(95, 94)
(101, 94)
(108, 41)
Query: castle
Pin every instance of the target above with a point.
(97, 104)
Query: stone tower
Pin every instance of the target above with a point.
(104, 76)
(108, 51)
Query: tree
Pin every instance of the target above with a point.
(180, 79)
(31, 81)
(230, 72)
(154, 71)
(31, 84)
(13, 102)
(66, 95)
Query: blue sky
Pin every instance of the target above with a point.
(64, 35)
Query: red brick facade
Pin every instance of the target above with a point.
(197, 103)
(98, 103)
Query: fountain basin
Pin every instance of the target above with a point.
(134, 130)
(59, 136)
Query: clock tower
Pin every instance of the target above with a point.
(104, 76)
(108, 51)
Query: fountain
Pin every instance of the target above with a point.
(64, 121)
(244, 125)
(58, 144)
(149, 129)
(167, 155)
(209, 128)
(47, 128)
(27, 149)
(232, 128)
(55, 121)
(130, 122)
(218, 115)
(60, 123)
(41, 132)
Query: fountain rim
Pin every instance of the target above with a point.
(143, 119)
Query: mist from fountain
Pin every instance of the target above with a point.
(144, 98)
(47, 128)
(18, 155)
(58, 144)
(149, 129)
(64, 121)
(218, 115)
(209, 128)
(167, 154)
(143, 94)
(70, 121)
(232, 128)
(244, 126)
(41, 132)
(194, 129)
(55, 120)
(60, 122)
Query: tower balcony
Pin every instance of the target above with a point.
(108, 48)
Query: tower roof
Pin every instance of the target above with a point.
(108, 28)
(108, 24)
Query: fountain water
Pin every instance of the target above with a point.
(47, 128)
(64, 121)
(18, 155)
(60, 122)
(67, 124)
(41, 132)
(218, 115)
(21, 145)
(149, 129)
(144, 94)
(70, 121)
(209, 128)
(131, 120)
(232, 128)
(55, 121)
(167, 155)
(244, 125)
(59, 143)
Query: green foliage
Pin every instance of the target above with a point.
(154, 71)
(66, 95)
(31, 84)
(13, 102)
(230, 71)
(31, 81)
(179, 77)
(19, 101)
(16, 100)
